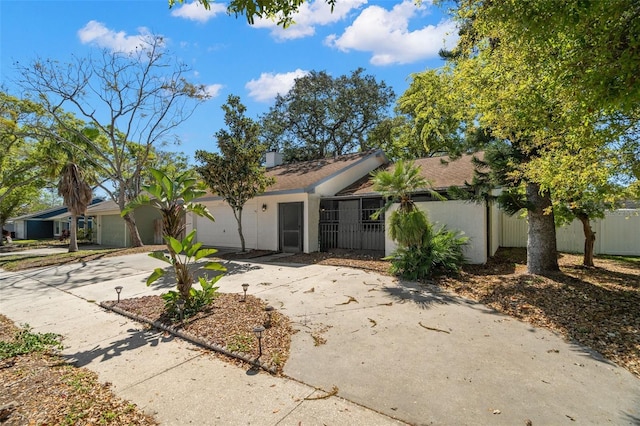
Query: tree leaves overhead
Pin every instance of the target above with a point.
(281, 11)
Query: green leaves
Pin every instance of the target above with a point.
(27, 342)
(155, 275)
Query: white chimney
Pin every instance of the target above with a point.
(273, 159)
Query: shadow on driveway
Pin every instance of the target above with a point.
(136, 339)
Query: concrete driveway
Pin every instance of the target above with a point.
(394, 350)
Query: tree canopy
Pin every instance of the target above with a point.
(322, 116)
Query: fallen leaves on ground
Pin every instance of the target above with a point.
(42, 389)
(596, 307)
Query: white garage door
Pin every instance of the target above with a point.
(224, 231)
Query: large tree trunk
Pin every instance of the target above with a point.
(542, 254)
(130, 220)
(589, 239)
(238, 215)
(73, 234)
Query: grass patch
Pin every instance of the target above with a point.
(633, 260)
(20, 262)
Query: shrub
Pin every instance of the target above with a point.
(439, 253)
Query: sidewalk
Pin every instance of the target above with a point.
(400, 350)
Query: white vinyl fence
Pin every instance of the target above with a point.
(618, 233)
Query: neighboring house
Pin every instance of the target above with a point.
(327, 204)
(112, 230)
(49, 223)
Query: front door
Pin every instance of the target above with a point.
(290, 227)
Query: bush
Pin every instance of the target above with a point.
(198, 299)
(439, 253)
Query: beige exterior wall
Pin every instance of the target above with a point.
(224, 231)
(470, 218)
(260, 228)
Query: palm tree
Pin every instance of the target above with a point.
(407, 224)
(77, 195)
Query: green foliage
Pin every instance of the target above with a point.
(173, 198)
(27, 342)
(241, 343)
(198, 300)
(397, 138)
(22, 160)
(322, 116)
(182, 254)
(407, 228)
(440, 252)
(422, 252)
(281, 11)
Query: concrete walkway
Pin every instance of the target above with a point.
(394, 350)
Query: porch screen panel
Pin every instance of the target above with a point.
(349, 224)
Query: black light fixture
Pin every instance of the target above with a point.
(258, 332)
(118, 290)
(245, 287)
(180, 306)
(269, 310)
(264, 207)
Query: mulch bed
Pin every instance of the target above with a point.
(228, 323)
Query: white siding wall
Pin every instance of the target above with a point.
(224, 231)
(260, 228)
(618, 233)
(470, 218)
(496, 227)
(19, 229)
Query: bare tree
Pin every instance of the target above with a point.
(132, 100)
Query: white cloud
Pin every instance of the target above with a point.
(309, 15)
(117, 41)
(269, 85)
(195, 11)
(213, 90)
(385, 33)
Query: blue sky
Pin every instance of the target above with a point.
(391, 39)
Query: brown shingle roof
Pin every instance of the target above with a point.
(304, 175)
(440, 171)
(309, 173)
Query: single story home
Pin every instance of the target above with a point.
(49, 223)
(286, 216)
(327, 204)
